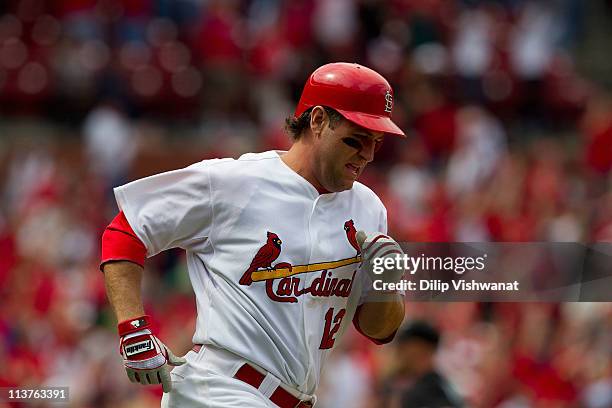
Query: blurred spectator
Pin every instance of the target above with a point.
(110, 143)
(416, 382)
(349, 383)
(481, 143)
(473, 51)
(597, 131)
(435, 119)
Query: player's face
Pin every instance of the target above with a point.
(343, 153)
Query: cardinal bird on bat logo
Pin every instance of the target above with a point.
(351, 235)
(264, 258)
(271, 250)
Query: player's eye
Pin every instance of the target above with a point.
(352, 142)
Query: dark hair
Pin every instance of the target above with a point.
(420, 330)
(296, 126)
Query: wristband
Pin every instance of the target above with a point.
(134, 325)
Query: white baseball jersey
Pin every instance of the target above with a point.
(272, 262)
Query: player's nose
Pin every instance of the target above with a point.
(367, 151)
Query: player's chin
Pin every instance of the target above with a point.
(345, 183)
(340, 181)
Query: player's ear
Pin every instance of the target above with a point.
(318, 120)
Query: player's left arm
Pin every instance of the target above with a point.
(381, 312)
(380, 320)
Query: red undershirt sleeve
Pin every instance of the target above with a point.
(375, 341)
(120, 243)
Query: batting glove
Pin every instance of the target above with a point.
(146, 359)
(376, 249)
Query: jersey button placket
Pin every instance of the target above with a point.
(312, 235)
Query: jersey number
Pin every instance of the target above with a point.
(332, 324)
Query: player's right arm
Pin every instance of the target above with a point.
(167, 210)
(123, 288)
(145, 357)
(123, 255)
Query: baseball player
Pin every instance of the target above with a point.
(276, 254)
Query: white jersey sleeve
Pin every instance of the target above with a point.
(169, 210)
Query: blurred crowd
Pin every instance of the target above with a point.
(507, 142)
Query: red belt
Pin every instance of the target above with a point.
(254, 378)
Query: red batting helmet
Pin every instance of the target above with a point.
(358, 93)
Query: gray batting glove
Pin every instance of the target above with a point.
(147, 360)
(377, 251)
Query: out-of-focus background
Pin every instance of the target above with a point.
(509, 112)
